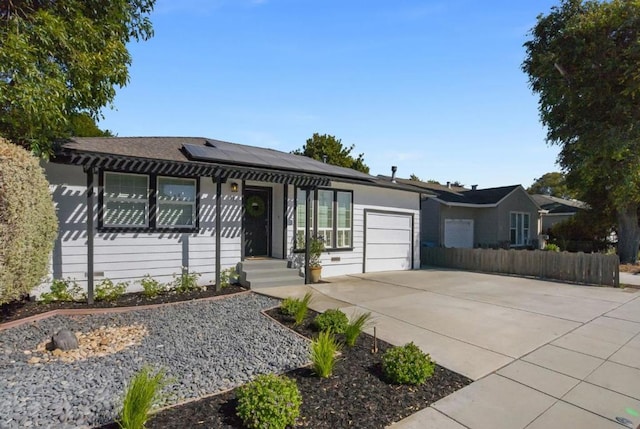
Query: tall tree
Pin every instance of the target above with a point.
(60, 58)
(583, 60)
(320, 146)
(83, 125)
(554, 184)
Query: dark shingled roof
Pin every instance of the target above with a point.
(204, 150)
(557, 205)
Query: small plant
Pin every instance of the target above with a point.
(315, 251)
(140, 396)
(552, 247)
(228, 276)
(269, 401)
(63, 290)
(106, 290)
(296, 308)
(407, 365)
(323, 353)
(289, 306)
(186, 282)
(331, 320)
(354, 329)
(151, 287)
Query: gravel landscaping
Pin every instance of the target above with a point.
(205, 347)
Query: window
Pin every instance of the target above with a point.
(330, 219)
(126, 200)
(176, 202)
(139, 201)
(519, 231)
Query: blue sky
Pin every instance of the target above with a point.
(434, 87)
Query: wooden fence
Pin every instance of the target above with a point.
(587, 268)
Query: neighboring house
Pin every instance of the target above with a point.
(493, 217)
(556, 210)
(128, 207)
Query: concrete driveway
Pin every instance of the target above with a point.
(543, 354)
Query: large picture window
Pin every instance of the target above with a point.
(126, 200)
(519, 231)
(139, 201)
(331, 218)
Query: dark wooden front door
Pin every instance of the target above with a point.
(257, 221)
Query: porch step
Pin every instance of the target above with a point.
(260, 273)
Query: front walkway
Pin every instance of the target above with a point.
(544, 354)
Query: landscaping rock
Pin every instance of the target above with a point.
(64, 340)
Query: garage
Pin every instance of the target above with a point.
(458, 233)
(388, 241)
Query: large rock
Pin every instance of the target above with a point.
(64, 340)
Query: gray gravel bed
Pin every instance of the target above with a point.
(205, 347)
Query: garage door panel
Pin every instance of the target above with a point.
(388, 238)
(458, 233)
(388, 221)
(377, 236)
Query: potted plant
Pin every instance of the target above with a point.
(315, 250)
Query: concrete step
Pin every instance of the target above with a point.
(256, 273)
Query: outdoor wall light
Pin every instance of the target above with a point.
(234, 186)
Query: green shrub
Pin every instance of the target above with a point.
(151, 287)
(354, 328)
(296, 308)
(407, 365)
(28, 222)
(106, 290)
(228, 276)
(289, 306)
(269, 401)
(186, 282)
(331, 320)
(323, 353)
(552, 247)
(143, 390)
(63, 290)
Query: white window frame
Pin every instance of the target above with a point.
(300, 208)
(522, 229)
(107, 199)
(160, 202)
(327, 232)
(340, 242)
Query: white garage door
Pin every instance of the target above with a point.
(388, 241)
(458, 233)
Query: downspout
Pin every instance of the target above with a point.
(218, 232)
(307, 236)
(90, 234)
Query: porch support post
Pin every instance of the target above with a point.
(307, 236)
(285, 220)
(218, 232)
(90, 234)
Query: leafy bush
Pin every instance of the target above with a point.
(269, 401)
(139, 398)
(407, 365)
(552, 247)
(228, 276)
(331, 320)
(151, 287)
(323, 353)
(354, 328)
(186, 282)
(106, 290)
(28, 222)
(289, 306)
(63, 290)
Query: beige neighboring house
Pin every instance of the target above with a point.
(505, 216)
(556, 210)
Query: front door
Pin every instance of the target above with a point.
(257, 221)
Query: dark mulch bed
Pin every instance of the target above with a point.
(354, 396)
(25, 308)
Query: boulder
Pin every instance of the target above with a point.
(64, 340)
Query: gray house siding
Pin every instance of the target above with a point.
(430, 222)
(517, 201)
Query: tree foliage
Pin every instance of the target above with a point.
(319, 146)
(28, 222)
(553, 184)
(583, 60)
(61, 58)
(83, 125)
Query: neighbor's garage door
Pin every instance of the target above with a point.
(388, 241)
(458, 233)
